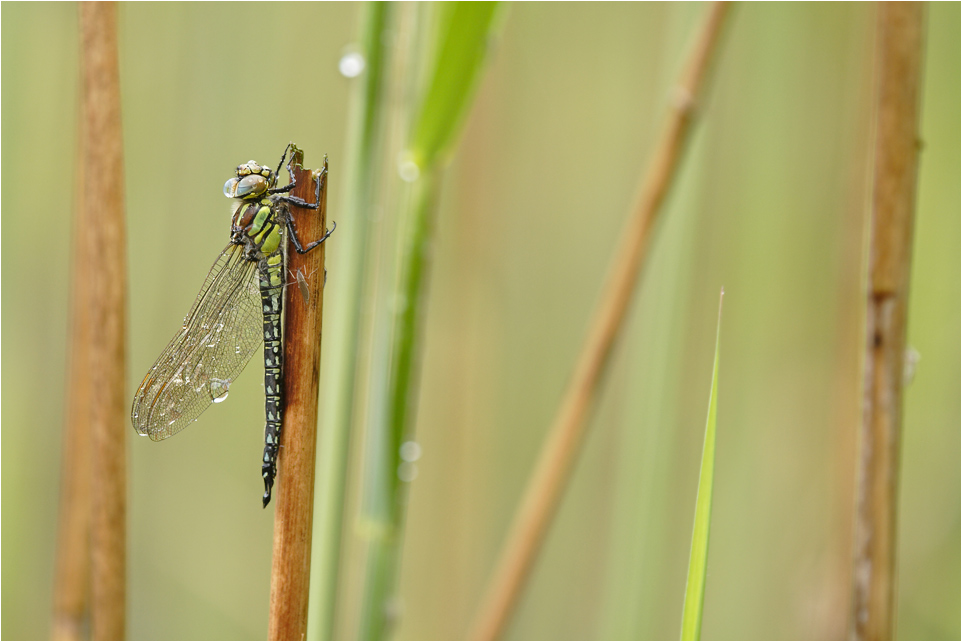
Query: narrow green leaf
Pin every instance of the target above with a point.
(698, 560)
(464, 30)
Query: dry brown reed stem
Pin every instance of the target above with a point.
(72, 571)
(294, 516)
(898, 86)
(564, 439)
(102, 157)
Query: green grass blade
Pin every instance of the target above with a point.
(367, 113)
(698, 560)
(464, 30)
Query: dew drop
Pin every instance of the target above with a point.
(408, 170)
(407, 472)
(910, 364)
(351, 64)
(394, 609)
(218, 390)
(410, 451)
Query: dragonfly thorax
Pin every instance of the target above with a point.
(250, 181)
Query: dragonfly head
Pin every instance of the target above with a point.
(250, 181)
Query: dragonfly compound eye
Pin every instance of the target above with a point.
(252, 185)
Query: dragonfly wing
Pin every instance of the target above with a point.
(220, 334)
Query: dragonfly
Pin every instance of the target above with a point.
(238, 308)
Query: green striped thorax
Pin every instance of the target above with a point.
(251, 185)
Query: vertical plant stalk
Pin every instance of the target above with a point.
(452, 73)
(899, 71)
(343, 354)
(294, 514)
(384, 549)
(102, 153)
(563, 443)
(72, 571)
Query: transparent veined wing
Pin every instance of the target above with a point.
(220, 334)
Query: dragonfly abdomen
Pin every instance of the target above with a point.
(271, 288)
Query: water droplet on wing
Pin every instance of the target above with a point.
(219, 390)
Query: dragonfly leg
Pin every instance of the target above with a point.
(281, 190)
(293, 182)
(300, 202)
(283, 158)
(310, 246)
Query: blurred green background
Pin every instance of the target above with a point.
(771, 203)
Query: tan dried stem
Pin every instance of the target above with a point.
(72, 571)
(294, 514)
(104, 228)
(563, 443)
(898, 86)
